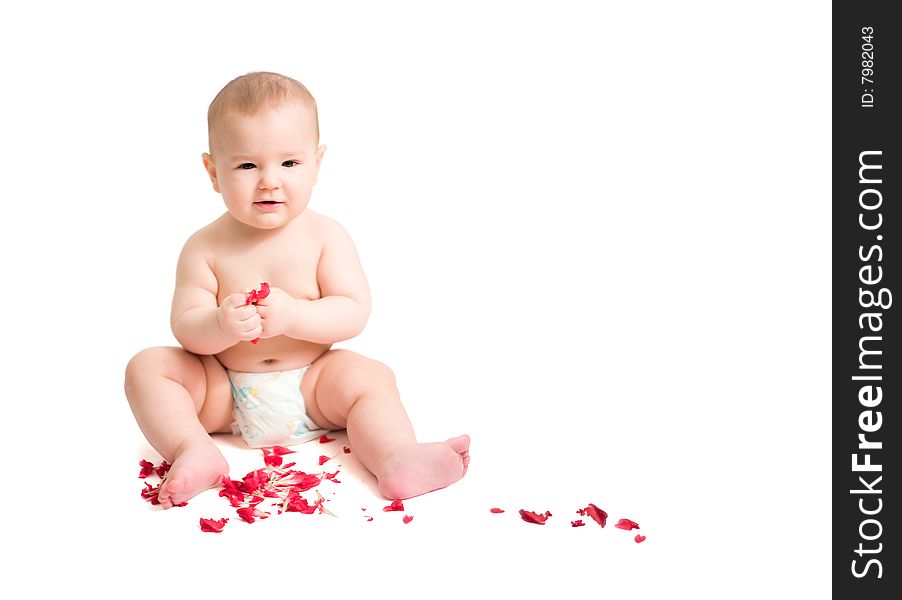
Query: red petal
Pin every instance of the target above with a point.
(264, 291)
(639, 538)
(247, 514)
(598, 515)
(396, 505)
(577, 523)
(323, 460)
(496, 510)
(280, 450)
(212, 525)
(531, 517)
(250, 297)
(626, 524)
(146, 469)
(255, 340)
(346, 449)
(325, 438)
(163, 468)
(272, 460)
(407, 519)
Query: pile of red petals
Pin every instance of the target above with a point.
(275, 481)
(253, 296)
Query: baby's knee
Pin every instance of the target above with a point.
(374, 373)
(172, 363)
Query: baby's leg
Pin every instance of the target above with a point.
(178, 399)
(344, 389)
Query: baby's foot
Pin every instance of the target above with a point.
(195, 469)
(415, 469)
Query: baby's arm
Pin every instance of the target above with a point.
(343, 310)
(197, 322)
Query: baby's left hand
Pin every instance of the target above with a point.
(276, 312)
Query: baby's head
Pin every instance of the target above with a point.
(249, 94)
(264, 148)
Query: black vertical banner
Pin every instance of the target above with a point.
(867, 270)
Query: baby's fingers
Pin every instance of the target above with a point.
(234, 301)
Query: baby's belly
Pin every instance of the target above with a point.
(273, 354)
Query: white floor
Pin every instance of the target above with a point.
(585, 249)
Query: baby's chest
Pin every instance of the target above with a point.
(292, 269)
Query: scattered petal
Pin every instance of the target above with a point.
(598, 515)
(324, 459)
(407, 519)
(396, 505)
(146, 469)
(496, 510)
(163, 469)
(639, 538)
(325, 438)
(247, 513)
(150, 493)
(626, 524)
(212, 525)
(531, 517)
(577, 523)
(271, 459)
(346, 449)
(280, 450)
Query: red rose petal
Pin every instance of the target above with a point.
(146, 469)
(325, 439)
(247, 513)
(163, 468)
(271, 459)
(577, 523)
(531, 517)
(626, 524)
(396, 505)
(407, 519)
(346, 449)
(496, 510)
(212, 525)
(598, 515)
(253, 296)
(324, 459)
(280, 450)
(639, 538)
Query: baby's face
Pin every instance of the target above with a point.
(265, 165)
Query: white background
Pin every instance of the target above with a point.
(598, 240)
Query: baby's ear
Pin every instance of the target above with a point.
(211, 170)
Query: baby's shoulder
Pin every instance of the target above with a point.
(323, 226)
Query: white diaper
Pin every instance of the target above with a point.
(270, 410)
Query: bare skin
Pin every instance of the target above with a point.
(319, 296)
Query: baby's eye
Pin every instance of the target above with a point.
(290, 163)
(246, 166)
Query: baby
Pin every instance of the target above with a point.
(287, 386)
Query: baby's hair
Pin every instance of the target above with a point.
(248, 94)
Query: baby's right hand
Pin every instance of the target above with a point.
(238, 319)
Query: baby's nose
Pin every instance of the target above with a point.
(268, 180)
